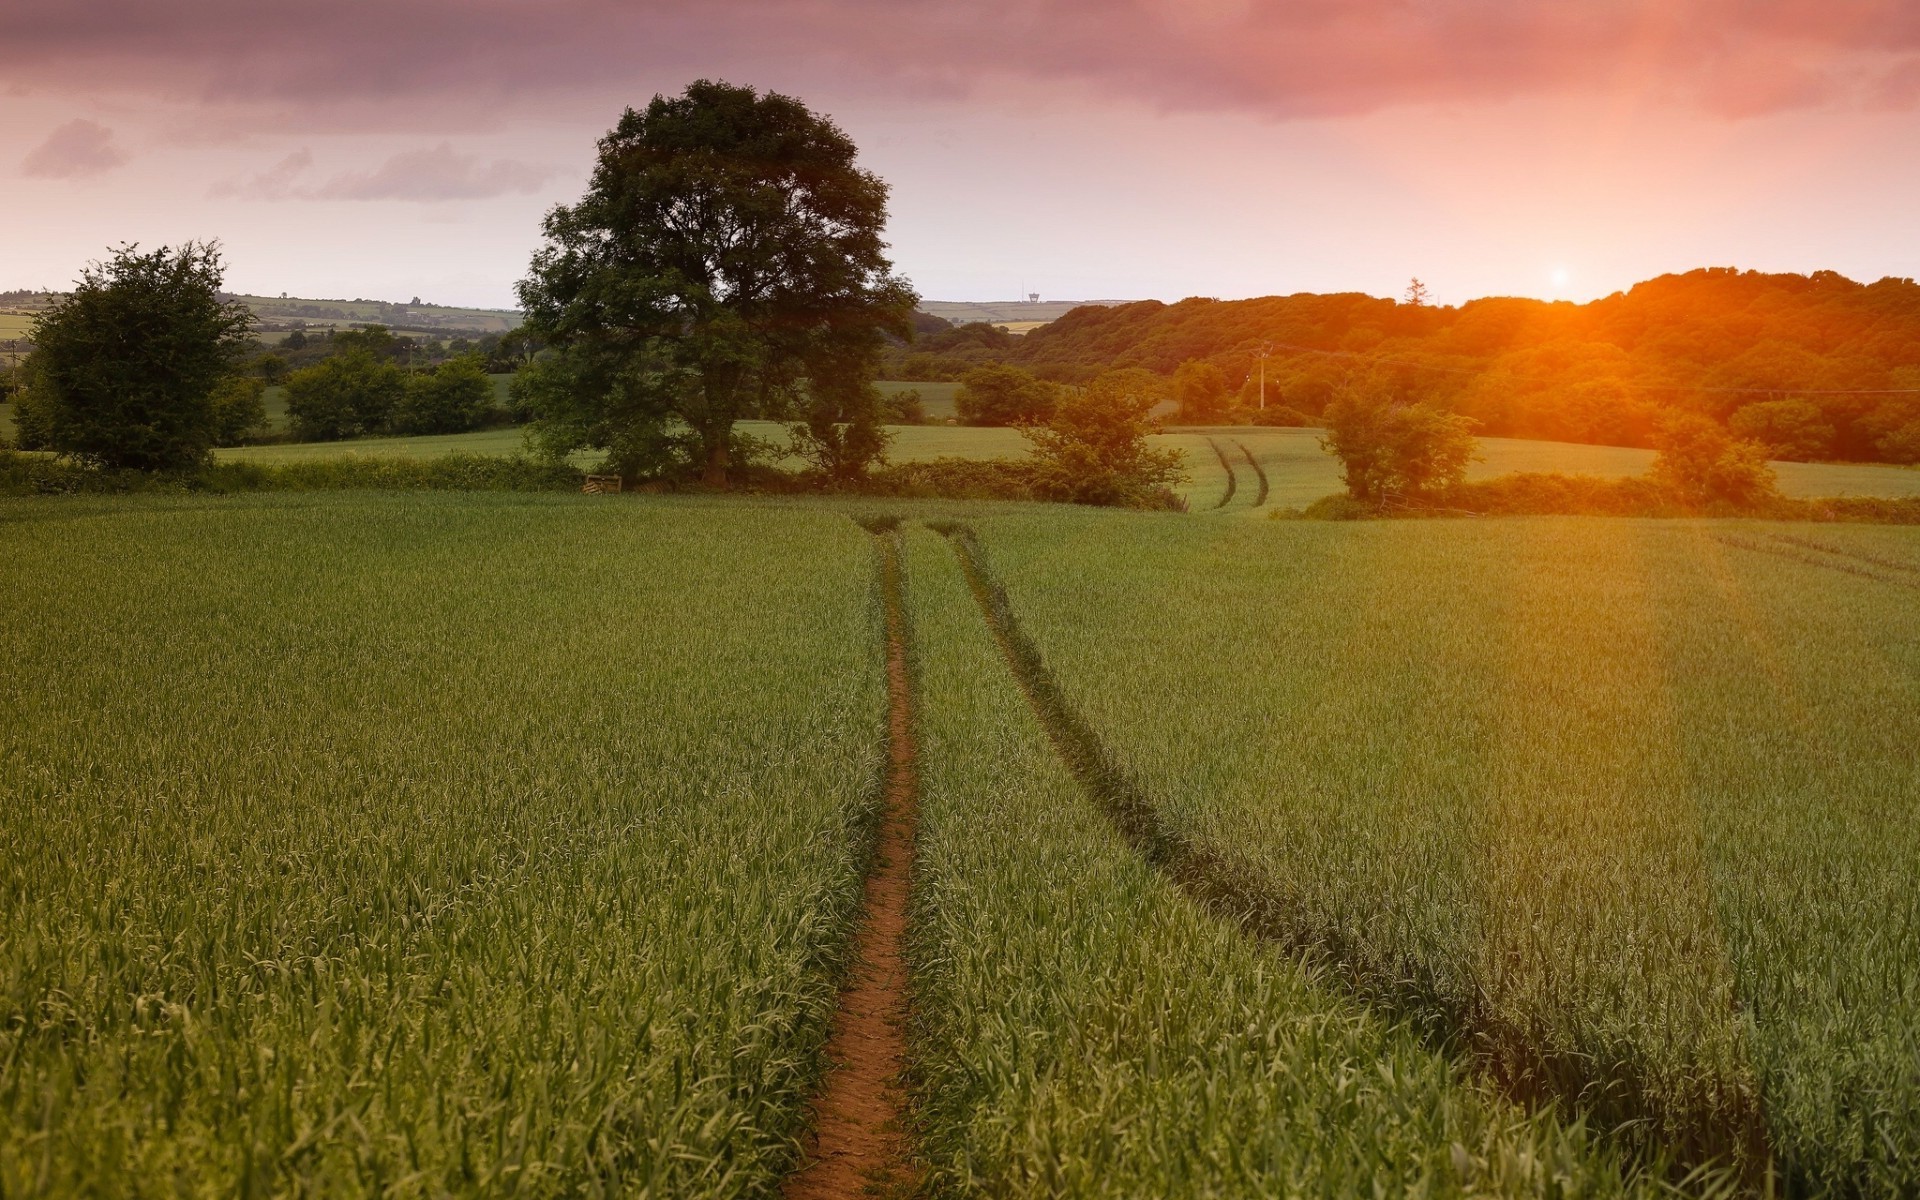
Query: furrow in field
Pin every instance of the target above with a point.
(859, 1141)
(1233, 481)
(1829, 558)
(1259, 473)
(1241, 894)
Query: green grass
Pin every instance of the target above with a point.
(1624, 807)
(1082, 1029)
(356, 845)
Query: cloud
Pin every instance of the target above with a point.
(77, 150)
(275, 183)
(424, 176)
(397, 61)
(436, 174)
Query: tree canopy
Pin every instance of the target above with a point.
(127, 370)
(726, 261)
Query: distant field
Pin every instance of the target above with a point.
(1009, 312)
(1298, 470)
(14, 326)
(937, 398)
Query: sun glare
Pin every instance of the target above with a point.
(1561, 278)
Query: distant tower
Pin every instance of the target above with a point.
(1033, 297)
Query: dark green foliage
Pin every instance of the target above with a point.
(1094, 449)
(1702, 466)
(239, 409)
(955, 479)
(1791, 429)
(1394, 451)
(351, 394)
(1200, 390)
(728, 250)
(454, 397)
(125, 368)
(1003, 395)
(905, 407)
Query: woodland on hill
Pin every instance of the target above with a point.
(1815, 367)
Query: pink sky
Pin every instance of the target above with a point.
(1071, 147)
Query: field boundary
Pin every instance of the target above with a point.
(1233, 480)
(859, 1140)
(1524, 1073)
(1259, 473)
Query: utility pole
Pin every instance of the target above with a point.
(1266, 348)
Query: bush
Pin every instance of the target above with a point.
(1094, 450)
(1392, 451)
(1280, 416)
(904, 407)
(1003, 395)
(455, 397)
(351, 394)
(1703, 466)
(955, 479)
(32, 474)
(125, 369)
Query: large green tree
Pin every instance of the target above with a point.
(126, 370)
(1393, 449)
(727, 254)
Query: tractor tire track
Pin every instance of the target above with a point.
(1846, 562)
(1239, 894)
(859, 1144)
(1233, 481)
(1259, 473)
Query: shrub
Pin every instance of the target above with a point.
(1703, 466)
(350, 394)
(905, 407)
(1279, 415)
(1392, 451)
(1095, 451)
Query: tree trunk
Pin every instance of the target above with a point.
(714, 473)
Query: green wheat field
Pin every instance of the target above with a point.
(375, 844)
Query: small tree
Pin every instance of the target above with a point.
(348, 395)
(125, 368)
(1200, 389)
(1094, 448)
(1391, 450)
(452, 398)
(1702, 465)
(997, 394)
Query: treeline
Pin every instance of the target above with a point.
(1813, 367)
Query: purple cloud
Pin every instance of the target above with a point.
(391, 60)
(77, 150)
(424, 176)
(436, 174)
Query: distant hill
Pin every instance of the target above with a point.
(283, 314)
(1817, 366)
(1008, 312)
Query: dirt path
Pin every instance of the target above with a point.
(1259, 472)
(860, 1146)
(1233, 479)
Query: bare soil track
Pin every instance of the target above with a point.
(860, 1141)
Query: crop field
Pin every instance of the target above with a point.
(473, 843)
(413, 846)
(1084, 1030)
(1620, 809)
